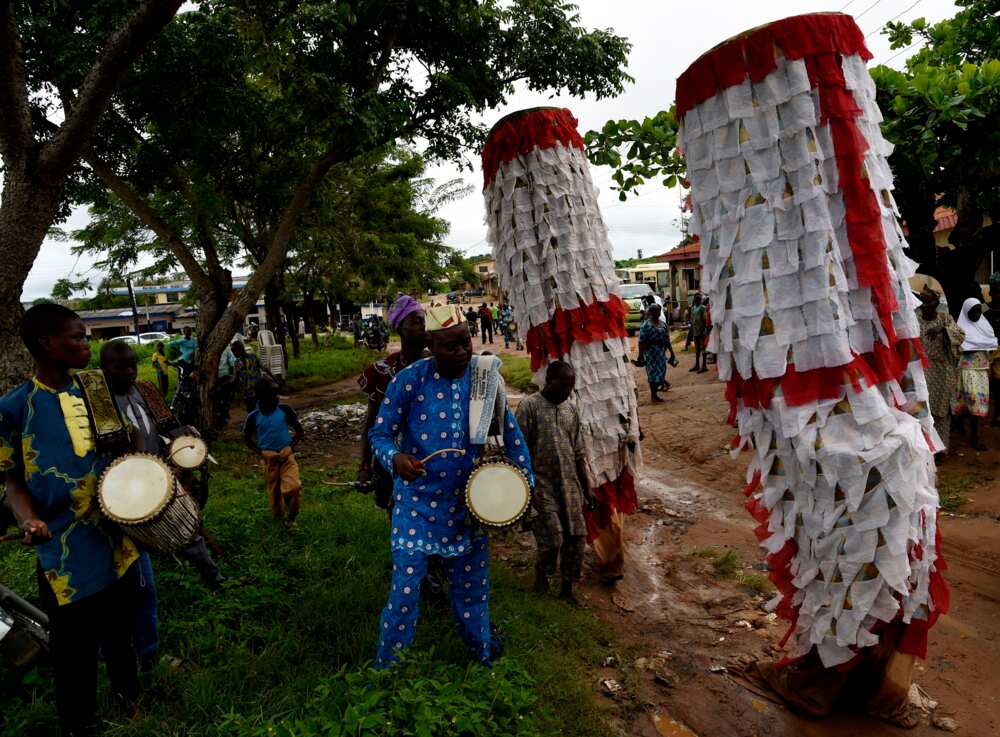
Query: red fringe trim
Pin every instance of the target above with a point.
(614, 496)
(523, 133)
(753, 54)
(596, 321)
(881, 365)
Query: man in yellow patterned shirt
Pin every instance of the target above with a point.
(51, 466)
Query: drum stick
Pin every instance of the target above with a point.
(11, 538)
(439, 452)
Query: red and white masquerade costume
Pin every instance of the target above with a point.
(815, 330)
(554, 261)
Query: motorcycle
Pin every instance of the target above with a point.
(373, 335)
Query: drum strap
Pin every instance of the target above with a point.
(164, 418)
(110, 432)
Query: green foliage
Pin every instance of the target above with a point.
(941, 114)
(284, 648)
(638, 151)
(461, 271)
(63, 289)
(372, 231)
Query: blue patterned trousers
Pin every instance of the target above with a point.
(468, 589)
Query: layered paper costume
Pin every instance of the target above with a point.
(554, 261)
(815, 330)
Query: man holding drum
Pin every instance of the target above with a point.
(147, 413)
(428, 409)
(51, 461)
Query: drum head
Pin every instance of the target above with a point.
(187, 451)
(135, 488)
(497, 494)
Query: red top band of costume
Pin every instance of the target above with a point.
(753, 54)
(520, 134)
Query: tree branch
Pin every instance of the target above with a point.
(145, 213)
(278, 243)
(94, 96)
(15, 115)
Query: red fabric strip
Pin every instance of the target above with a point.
(614, 496)
(523, 133)
(596, 321)
(753, 54)
(802, 387)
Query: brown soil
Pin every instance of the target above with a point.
(680, 623)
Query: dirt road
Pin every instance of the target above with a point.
(688, 606)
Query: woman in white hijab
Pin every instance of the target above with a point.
(973, 395)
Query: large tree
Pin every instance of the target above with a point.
(99, 40)
(222, 137)
(943, 115)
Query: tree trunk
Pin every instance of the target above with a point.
(211, 308)
(26, 212)
(292, 318)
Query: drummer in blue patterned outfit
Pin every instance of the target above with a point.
(431, 405)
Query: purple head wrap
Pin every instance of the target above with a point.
(403, 306)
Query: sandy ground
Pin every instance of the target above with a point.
(680, 624)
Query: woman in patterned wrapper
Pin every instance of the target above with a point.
(972, 397)
(654, 341)
(941, 339)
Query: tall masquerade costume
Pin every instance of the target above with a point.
(815, 330)
(554, 261)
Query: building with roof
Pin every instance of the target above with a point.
(165, 318)
(673, 275)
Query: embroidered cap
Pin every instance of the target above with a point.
(443, 317)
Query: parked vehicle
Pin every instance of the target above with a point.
(144, 338)
(632, 294)
(453, 298)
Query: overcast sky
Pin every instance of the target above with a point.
(666, 36)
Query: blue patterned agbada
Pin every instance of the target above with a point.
(45, 439)
(421, 413)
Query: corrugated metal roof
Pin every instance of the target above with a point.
(686, 252)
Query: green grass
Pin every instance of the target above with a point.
(728, 564)
(516, 371)
(952, 490)
(283, 649)
(335, 360)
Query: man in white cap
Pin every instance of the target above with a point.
(432, 405)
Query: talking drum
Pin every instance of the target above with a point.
(140, 494)
(187, 452)
(497, 494)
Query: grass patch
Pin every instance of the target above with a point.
(516, 371)
(283, 649)
(335, 359)
(728, 564)
(952, 491)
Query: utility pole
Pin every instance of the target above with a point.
(135, 307)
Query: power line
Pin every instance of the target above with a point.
(870, 7)
(901, 51)
(897, 15)
(849, 4)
